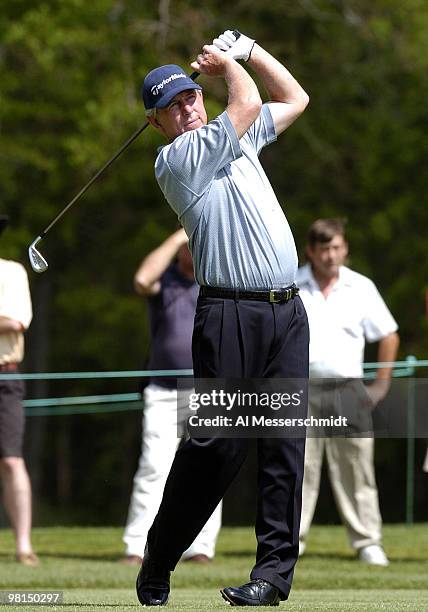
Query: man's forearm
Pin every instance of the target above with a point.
(279, 83)
(244, 102)
(387, 353)
(8, 325)
(155, 264)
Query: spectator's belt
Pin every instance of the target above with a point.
(272, 296)
(8, 367)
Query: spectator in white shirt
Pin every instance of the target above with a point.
(15, 318)
(345, 310)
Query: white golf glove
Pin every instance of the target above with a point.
(237, 47)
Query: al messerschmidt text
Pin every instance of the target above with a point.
(263, 421)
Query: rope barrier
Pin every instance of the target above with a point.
(82, 375)
(124, 402)
(121, 402)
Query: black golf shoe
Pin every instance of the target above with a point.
(254, 593)
(152, 583)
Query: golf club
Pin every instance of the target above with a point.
(37, 261)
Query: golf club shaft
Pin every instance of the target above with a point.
(84, 189)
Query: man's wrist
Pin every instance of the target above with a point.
(180, 238)
(253, 53)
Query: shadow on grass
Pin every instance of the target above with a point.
(49, 555)
(98, 605)
(339, 556)
(237, 554)
(114, 558)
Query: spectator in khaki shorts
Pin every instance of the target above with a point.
(15, 317)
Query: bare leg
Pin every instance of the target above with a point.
(17, 500)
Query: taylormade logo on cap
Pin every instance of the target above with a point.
(155, 89)
(162, 84)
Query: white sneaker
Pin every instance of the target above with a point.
(373, 555)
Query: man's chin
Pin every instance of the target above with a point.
(193, 126)
(331, 271)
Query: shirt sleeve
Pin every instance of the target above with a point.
(15, 299)
(186, 167)
(378, 321)
(262, 131)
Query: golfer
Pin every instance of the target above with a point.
(250, 322)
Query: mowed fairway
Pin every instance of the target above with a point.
(82, 562)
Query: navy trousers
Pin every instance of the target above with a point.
(240, 339)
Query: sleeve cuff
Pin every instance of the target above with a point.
(270, 126)
(232, 135)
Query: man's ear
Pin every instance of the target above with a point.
(154, 122)
(346, 248)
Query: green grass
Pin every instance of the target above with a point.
(82, 562)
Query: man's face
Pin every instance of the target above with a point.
(185, 112)
(327, 257)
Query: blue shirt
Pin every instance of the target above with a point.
(238, 234)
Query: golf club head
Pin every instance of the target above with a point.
(37, 261)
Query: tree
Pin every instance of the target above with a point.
(71, 74)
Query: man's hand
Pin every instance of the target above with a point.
(211, 61)
(238, 48)
(10, 325)
(244, 102)
(378, 390)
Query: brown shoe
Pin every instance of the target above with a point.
(131, 560)
(28, 559)
(201, 558)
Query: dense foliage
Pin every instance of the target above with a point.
(71, 74)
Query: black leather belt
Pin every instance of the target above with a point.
(272, 296)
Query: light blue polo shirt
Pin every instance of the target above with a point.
(238, 234)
